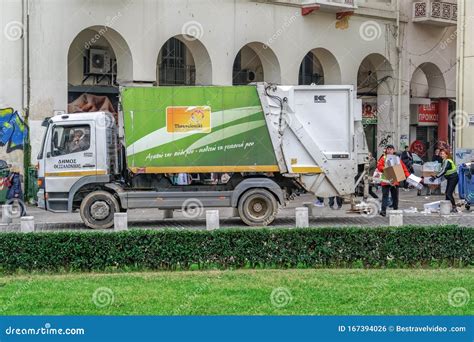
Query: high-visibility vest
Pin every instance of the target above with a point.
(453, 170)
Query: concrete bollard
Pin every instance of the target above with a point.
(212, 219)
(310, 207)
(302, 219)
(168, 213)
(120, 222)
(395, 218)
(445, 208)
(7, 210)
(27, 224)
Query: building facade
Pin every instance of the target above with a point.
(400, 56)
(465, 85)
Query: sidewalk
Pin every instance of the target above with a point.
(153, 218)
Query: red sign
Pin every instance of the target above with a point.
(418, 147)
(428, 113)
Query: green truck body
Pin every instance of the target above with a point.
(196, 129)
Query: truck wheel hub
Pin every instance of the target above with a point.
(100, 210)
(257, 207)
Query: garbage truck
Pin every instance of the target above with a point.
(253, 148)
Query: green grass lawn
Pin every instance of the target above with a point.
(300, 292)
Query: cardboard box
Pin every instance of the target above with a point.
(394, 173)
(392, 160)
(428, 174)
(432, 167)
(415, 181)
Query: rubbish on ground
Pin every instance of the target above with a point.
(432, 207)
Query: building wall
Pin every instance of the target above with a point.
(11, 80)
(215, 32)
(428, 69)
(466, 82)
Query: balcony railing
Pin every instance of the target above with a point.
(323, 5)
(435, 12)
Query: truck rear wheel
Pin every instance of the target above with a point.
(98, 209)
(257, 207)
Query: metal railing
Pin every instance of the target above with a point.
(439, 10)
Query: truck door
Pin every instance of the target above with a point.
(71, 155)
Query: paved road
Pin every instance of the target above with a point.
(153, 218)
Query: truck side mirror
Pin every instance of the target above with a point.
(45, 122)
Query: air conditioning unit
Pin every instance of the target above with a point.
(99, 61)
(250, 75)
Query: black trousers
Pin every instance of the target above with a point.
(372, 193)
(339, 201)
(452, 182)
(393, 191)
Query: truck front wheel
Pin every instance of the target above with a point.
(257, 207)
(98, 209)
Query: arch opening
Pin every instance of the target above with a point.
(255, 62)
(184, 60)
(376, 89)
(429, 110)
(99, 60)
(319, 66)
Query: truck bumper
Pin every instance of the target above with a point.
(41, 201)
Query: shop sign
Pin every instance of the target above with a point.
(428, 114)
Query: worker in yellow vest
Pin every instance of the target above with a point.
(450, 172)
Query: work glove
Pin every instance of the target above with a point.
(432, 179)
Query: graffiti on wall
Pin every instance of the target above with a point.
(13, 130)
(385, 139)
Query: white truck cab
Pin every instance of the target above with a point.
(73, 154)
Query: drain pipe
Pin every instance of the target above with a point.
(26, 90)
(400, 75)
(25, 59)
(460, 68)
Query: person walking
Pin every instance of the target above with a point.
(449, 171)
(407, 158)
(339, 202)
(15, 193)
(389, 188)
(319, 202)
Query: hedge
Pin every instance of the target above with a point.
(229, 248)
